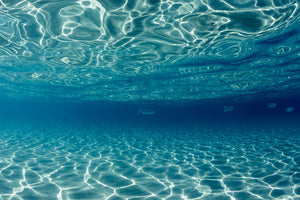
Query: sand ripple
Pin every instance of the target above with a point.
(135, 163)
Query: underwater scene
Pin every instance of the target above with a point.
(149, 99)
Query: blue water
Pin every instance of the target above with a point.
(149, 99)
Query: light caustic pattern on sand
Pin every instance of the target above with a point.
(113, 50)
(120, 163)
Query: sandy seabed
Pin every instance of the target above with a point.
(149, 163)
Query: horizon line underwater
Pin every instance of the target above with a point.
(149, 100)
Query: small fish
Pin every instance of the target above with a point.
(146, 112)
(271, 105)
(289, 109)
(228, 108)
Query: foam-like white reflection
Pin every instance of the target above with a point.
(131, 46)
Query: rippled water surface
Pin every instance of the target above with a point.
(148, 49)
(149, 99)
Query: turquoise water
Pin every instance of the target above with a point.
(90, 50)
(113, 162)
(149, 99)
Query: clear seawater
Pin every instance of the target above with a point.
(149, 99)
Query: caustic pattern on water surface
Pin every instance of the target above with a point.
(148, 49)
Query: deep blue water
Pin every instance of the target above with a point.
(149, 99)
